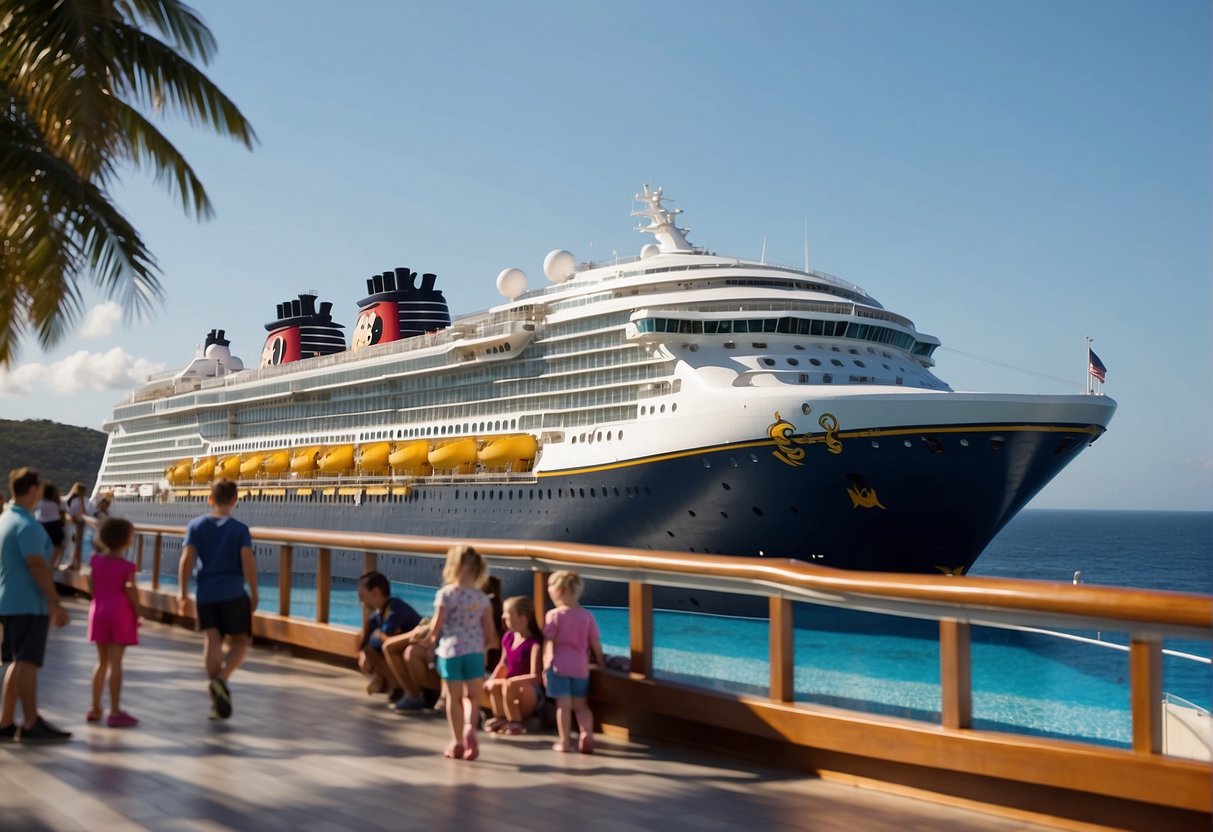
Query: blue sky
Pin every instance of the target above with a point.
(1013, 176)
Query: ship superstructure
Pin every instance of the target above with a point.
(677, 400)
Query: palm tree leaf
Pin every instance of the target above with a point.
(176, 21)
(151, 150)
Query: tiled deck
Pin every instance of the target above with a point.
(307, 749)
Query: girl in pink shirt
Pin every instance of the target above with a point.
(571, 635)
(515, 688)
(113, 616)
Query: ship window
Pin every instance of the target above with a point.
(663, 408)
(729, 345)
(592, 494)
(798, 346)
(769, 362)
(816, 362)
(759, 345)
(608, 436)
(581, 492)
(827, 378)
(835, 362)
(858, 363)
(792, 362)
(709, 327)
(725, 327)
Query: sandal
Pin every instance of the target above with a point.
(512, 729)
(92, 715)
(495, 724)
(454, 751)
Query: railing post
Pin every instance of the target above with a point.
(640, 626)
(324, 581)
(955, 674)
(156, 560)
(370, 563)
(138, 553)
(539, 592)
(285, 578)
(783, 683)
(1145, 694)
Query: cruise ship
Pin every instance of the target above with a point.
(678, 400)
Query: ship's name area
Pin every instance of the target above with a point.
(788, 450)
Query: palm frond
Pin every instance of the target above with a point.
(176, 21)
(150, 149)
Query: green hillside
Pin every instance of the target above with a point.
(63, 453)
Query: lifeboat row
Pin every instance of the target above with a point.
(418, 457)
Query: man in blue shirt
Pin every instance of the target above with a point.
(223, 549)
(388, 617)
(29, 604)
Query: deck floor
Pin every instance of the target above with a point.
(307, 749)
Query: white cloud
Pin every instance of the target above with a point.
(115, 369)
(100, 320)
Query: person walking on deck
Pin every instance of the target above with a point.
(223, 550)
(113, 616)
(29, 604)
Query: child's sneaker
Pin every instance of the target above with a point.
(9, 733)
(121, 719)
(221, 697)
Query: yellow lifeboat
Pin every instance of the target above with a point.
(203, 470)
(374, 457)
(411, 457)
(251, 466)
(179, 473)
(453, 454)
(277, 461)
(303, 461)
(505, 450)
(337, 459)
(228, 468)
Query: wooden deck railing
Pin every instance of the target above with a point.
(1055, 779)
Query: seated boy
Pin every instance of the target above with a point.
(389, 617)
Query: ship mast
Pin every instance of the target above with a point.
(670, 238)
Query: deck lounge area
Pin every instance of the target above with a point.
(307, 749)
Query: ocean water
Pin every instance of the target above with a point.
(1072, 685)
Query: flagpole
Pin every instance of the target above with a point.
(1088, 365)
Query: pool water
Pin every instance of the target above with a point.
(1025, 683)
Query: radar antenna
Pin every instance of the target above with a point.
(670, 238)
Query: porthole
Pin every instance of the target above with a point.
(816, 362)
(858, 363)
(875, 444)
(806, 408)
(621, 435)
(908, 443)
(792, 362)
(753, 457)
(769, 362)
(757, 511)
(674, 407)
(997, 442)
(643, 410)
(835, 349)
(964, 443)
(726, 486)
(690, 512)
(798, 346)
(599, 437)
(853, 351)
(835, 362)
(707, 463)
(592, 494)
(663, 408)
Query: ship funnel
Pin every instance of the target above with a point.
(405, 278)
(377, 283)
(427, 281)
(309, 304)
(326, 310)
(296, 308)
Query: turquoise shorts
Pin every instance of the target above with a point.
(461, 668)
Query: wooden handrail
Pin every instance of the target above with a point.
(1152, 613)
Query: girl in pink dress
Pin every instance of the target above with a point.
(570, 638)
(113, 617)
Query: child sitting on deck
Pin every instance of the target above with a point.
(515, 687)
(571, 634)
(389, 617)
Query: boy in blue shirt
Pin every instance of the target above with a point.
(29, 604)
(223, 549)
(389, 617)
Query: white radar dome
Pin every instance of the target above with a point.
(559, 265)
(511, 282)
(648, 250)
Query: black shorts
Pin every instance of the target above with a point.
(24, 638)
(55, 529)
(233, 617)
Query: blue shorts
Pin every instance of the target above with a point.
(562, 687)
(461, 668)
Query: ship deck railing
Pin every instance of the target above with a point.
(1070, 781)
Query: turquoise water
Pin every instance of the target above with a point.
(1022, 682)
